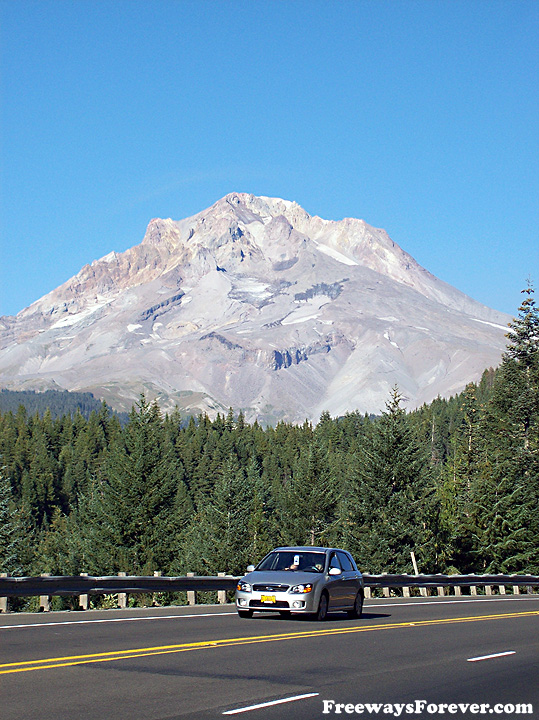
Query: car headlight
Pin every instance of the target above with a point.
(244, 586)
(306, 588)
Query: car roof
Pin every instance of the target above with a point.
(306, 548)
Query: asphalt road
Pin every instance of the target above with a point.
(202, 663)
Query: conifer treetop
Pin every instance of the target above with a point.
(524, 330)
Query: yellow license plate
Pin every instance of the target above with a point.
(267, 598)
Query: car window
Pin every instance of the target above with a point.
(334, 561)
(345, 562)
(293, 561)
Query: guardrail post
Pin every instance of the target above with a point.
(473, 590)
(368, 593)
(406, 591)
(122, 597)
(501, 588)
(156, 573)
(488, 589)
(516, 590)
(440, 591)
(529, 589)
(191, 594)
(45, 600)
(83, 599)
(221, 594)
(4, 601)
(385, 590)
(457, 590)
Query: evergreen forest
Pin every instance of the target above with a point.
(455, 481)
(57, 402)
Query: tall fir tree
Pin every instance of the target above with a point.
(508, 496)
(139, 504)
(393, 496)
(218, 539)
(10, 529)
(263, 530)
(456, 488)
(309, 499)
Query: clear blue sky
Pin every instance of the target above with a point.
(419, 116)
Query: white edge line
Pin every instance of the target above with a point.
(440, 601)
(109, 620)
(272, 702)
(490, 657)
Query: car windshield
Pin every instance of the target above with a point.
(294, 560)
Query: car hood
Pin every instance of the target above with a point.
(282, 577)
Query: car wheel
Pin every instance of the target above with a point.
(322, 611)
(357, 610)
(245, 613)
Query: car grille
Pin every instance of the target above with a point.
(269, 587)
(269, 606)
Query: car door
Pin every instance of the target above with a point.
(350, 579)
(335, 583)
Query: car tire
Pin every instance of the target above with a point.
(357, 611)
(322, 612)
(245, 613)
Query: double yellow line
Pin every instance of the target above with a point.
(68, 660)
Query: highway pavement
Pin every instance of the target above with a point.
(420, 657)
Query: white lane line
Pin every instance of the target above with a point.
(109, 620)
(267, 704)
(489, 657)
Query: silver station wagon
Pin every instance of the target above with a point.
(308, 580)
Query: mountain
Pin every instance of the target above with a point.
(254, 304)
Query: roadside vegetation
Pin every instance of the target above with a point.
(456, 481)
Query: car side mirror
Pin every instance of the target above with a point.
(334, 571)
(250, 568)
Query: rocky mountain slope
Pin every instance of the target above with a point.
(257, 305)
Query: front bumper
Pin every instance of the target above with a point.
(276, 602)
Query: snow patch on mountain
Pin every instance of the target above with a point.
(335, 254)
(74, 318)
(495, 325)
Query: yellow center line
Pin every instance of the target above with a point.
(65, 661)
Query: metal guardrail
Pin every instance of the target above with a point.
(443, 582)
(109, 585)
(400, 581)
(46, 586)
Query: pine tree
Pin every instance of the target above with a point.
(456, 491)
(393, 496)
(218, 539)
(136, 504)
(309, 499)
(9, 529)
(263, 531)
(55, 551)
(508, 496)
(40, 481)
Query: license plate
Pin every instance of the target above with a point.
(267, 598)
